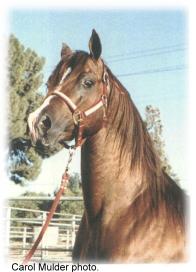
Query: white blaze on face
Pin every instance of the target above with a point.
(67, 72)
(33, 118)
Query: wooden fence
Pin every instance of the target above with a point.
(21, 232)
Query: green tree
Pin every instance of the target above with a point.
(25, 79)
(73, 189)
(155, 128)
(75, 184)
(72, 207)
(38, 205)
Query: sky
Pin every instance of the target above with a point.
(145, 49)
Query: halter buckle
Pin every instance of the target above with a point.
(104, 100)
(77, 117)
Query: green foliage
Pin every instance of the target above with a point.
(75, 184)
(155, 129)
(72, 207)
(33, 205)
(65, 207)
(74, 189)
(25, 79)
(28, 168)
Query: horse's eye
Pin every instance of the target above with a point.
(88, 83)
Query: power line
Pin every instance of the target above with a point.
(141, 53)
(176, 46)
(146, 55)
(153, 71)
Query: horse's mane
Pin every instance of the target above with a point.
(127, 122)
(137, 149)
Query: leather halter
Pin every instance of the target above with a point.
(79, 116)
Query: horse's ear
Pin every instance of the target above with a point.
(95, 45)
(66, 50)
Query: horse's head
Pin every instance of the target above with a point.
(76, 97)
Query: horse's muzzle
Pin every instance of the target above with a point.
(38, 127)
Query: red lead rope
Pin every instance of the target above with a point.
(64, 182)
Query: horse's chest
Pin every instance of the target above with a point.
(116, 241)
(105, 241)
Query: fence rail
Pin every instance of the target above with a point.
(57, 243)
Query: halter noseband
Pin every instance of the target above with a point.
(79, 116)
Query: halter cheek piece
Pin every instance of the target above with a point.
(80, 116)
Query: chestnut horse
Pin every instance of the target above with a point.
(134, 212)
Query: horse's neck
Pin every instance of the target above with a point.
(109, 183)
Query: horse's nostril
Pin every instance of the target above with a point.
(45, 122)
